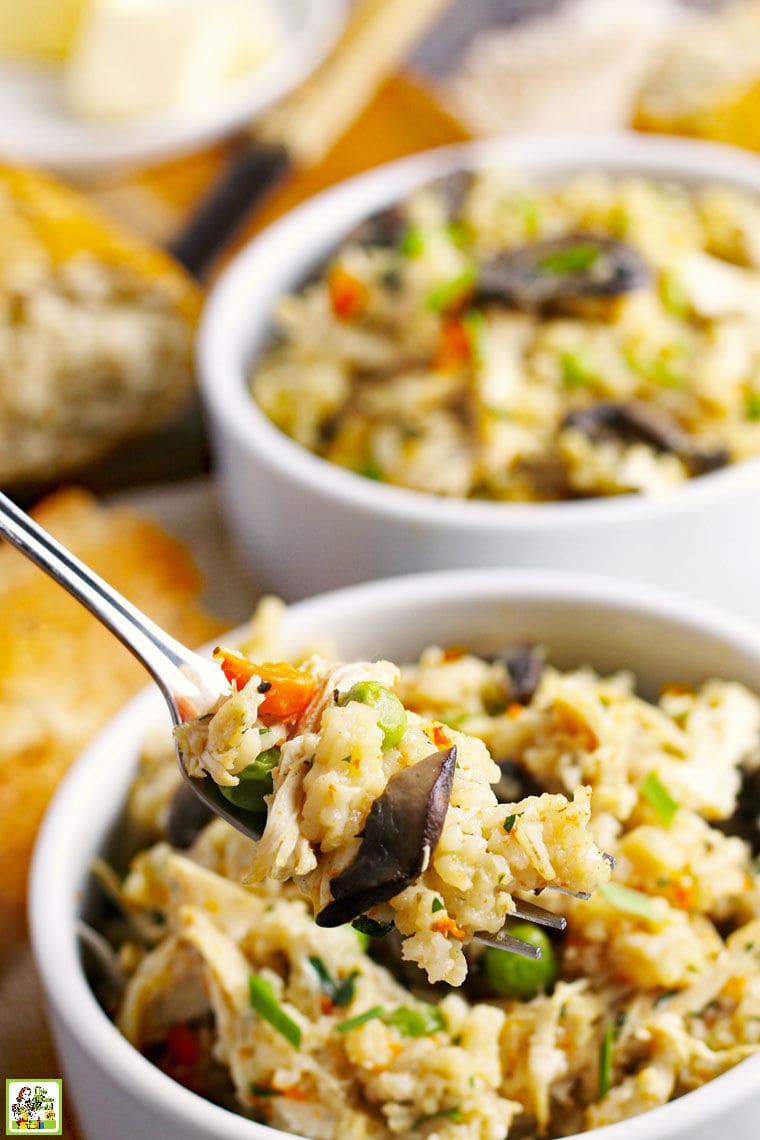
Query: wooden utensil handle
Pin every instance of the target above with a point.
(252, 173)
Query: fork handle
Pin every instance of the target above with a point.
(177, 670)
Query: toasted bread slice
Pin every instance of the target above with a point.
(62, 674)
(96, 331)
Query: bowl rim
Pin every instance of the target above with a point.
(53, 907)
(223, 375)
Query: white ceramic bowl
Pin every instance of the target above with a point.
(35, 126)
(305, 524)
(119, 1094)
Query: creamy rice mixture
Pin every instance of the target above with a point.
(653, 989)
(493, 340)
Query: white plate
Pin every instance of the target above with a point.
(36, 128)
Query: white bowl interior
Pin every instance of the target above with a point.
(579, 620)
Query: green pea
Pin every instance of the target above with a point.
(509, 975)
(255, 782)
(392, 718)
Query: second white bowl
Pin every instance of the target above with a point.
(305, 525)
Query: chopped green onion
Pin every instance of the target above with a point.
(752, 405)
(673, 294)
(576, 372)
(659, 797)
(263, 1000)
(360, 1019)
(371, 470)
(450, 293)
(437, 905)
(528, 208)
(605, 1061)
(370, 927)
(619, 222)
(340, 993)
(629, 901)
(324, 975)
(475, 327)
(418, 1021)
(509, 822)
(454, 1114)
(262, 1090)
(459, 232)
(573, 259)
(413, 241)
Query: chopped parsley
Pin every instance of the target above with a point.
(752, 405)
(437, 905)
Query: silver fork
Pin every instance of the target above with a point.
(186, 679)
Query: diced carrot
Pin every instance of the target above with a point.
(454, 345)
(454, 652)
(683, 894)
(289, 692)
(515, 710)
(438, 735)
(348, 295)
(294, 1092)
(446, 926)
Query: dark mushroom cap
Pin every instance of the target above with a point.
(636, 422)
(403, 826)
(561, 272)
(525, 666)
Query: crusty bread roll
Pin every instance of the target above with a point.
(96, 331)
(62, 674)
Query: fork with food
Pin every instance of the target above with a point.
(378, 814)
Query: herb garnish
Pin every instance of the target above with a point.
(263, 1000)
(659, 798)
(629, 901)
(573, 259)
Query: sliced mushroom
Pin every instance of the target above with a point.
(400, 833)
(577, 273)
(515, 783)
(636, 422)
(525, 666)
(385, 228)
(745, 822)
(453, 188)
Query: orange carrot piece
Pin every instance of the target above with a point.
(348, 295)
(454, 345)
(290, 689)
